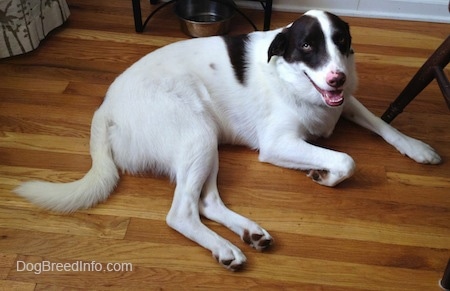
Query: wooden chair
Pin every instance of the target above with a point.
(445, 282)
(432, 69)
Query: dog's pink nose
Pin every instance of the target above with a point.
(336, 79)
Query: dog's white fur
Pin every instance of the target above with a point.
(169, 111)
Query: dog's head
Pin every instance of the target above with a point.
(317, 47)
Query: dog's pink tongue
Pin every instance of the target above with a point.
(334, 98)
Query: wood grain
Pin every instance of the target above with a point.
(386, 228)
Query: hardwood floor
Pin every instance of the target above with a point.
(386, 228)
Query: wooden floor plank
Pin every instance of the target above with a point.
(33, 84)
(74, 224)
(15, 285)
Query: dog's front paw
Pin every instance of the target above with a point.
(421, 152)
(258, 239)
(343, 169)
(230, 257)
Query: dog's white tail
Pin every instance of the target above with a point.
(93, 188)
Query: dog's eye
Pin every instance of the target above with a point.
(306, 47)
(341, 41)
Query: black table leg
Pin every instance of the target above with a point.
(138, 26)
(267, 14)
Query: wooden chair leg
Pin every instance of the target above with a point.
(445, 282)
(442, 80)
(440, 58)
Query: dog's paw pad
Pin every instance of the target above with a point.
(330, 179)
(231, 265)
(230, 258)
(259, 241)
(318, 175)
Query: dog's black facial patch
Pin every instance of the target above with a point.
(341, 34)
(303, 42)
(236, 46)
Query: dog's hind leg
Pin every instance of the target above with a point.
(212, 207)
(184, 215)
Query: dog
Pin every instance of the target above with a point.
(271, 91)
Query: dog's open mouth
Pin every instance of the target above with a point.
(331, 98)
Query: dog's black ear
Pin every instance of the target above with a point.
(278, 46)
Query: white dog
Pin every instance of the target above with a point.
(271, 91)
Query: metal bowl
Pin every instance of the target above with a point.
(199, 18)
